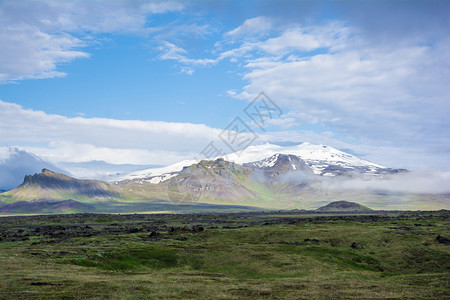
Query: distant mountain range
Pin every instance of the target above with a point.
(323, 160)
(264, 177)
(19, 163)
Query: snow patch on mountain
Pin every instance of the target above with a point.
(157, 175)
(323, 160)
(317, 157)
(268, 162)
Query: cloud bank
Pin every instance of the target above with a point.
(421, 181)
(60, 138)
(18, 164)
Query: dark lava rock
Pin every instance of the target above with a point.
(154, 234)
(356, 246)
(443, 240)
(288, 243)
(310, 241)
(134, 230)
(198, 228)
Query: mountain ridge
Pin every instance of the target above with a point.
(322, 159)
(52, 185)
(277, 181)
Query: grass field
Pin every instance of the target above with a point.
(251, 255)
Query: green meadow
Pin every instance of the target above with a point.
(236, 256)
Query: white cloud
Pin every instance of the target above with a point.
(258, 25)
(187, 70)
(162, 7)
(16, 164)
(68, 151)
(173, 52)
(422, 181)
(306, 39)
(290, 40)
(250, 33)
(34, 54)
(115, 141)
(37, 36)
(391, 96)
(58, 138)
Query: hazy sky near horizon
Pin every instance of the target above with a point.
(153, 82)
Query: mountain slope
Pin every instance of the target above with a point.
(281, 167)
(215, 181)
(50, 185)
(223, 182)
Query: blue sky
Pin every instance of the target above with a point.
(152, 82)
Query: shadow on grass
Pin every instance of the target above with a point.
(341, 257)
(129, 259)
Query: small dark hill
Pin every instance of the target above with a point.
(343, 206)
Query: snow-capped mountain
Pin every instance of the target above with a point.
(284, 162)
(323, 160)
(281, 166)
(157, 175)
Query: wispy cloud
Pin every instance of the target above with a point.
(37, 36)
(251, 27)
(173, 52)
